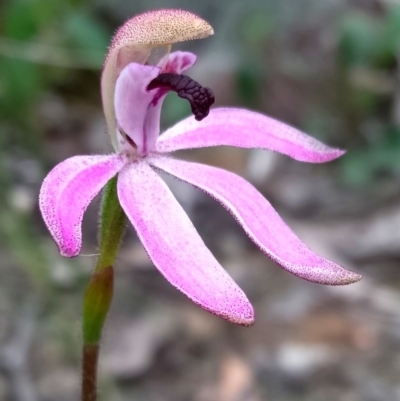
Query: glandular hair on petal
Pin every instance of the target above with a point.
(165, 26)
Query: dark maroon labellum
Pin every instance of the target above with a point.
(200, 98)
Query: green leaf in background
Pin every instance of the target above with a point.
(24, 20)
(20, 83)
(248, 88)
(389, 45)
(85, 33)
(256, 27)
(18, 21)
(358, 39)
(360, 167)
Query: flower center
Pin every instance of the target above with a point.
(199, 97)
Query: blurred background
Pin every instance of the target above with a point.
(329, 67)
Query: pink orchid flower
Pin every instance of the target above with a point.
(166, 232)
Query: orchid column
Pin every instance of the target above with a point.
(138, 73)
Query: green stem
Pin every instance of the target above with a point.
(99, 292)
(112, 226)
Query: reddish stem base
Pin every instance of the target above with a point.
(89, 372)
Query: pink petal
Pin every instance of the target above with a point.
(66, 193)
(260, 221)
(178, 62)
(175, 247)
(245, 129)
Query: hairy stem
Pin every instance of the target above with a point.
(99, 293)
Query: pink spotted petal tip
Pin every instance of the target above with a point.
(259, 220)
(66, 193)
(245, 129)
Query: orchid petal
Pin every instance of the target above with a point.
(178, 62)
(134, 41)
(175, 247)
(66, 193)
(245, 129)
(260, 221)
